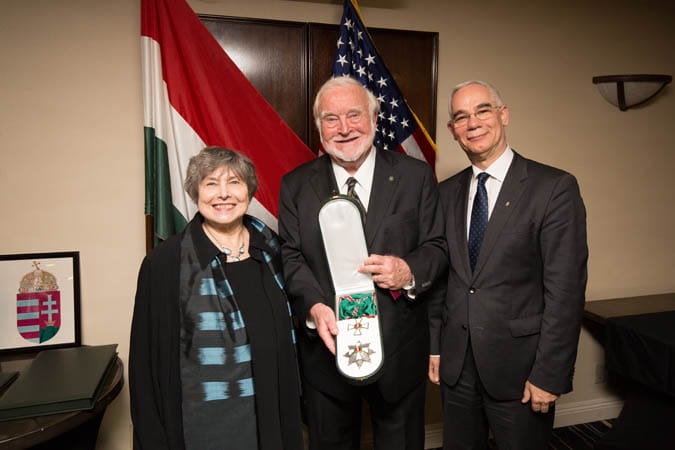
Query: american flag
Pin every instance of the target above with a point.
(398, 128)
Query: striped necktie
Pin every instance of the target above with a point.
(351, 192)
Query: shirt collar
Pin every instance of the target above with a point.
(497, 169)
(364, 174)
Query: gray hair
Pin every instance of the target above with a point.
(343, 81)
(210, 159)
(494, 93)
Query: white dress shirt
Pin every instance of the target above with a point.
(363, 176)
(493, 185)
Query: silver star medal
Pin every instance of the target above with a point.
(359, 353)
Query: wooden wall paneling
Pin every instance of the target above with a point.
(322, 40)
(411, 57)
(273, 56)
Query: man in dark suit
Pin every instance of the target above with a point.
(504, 339)
(407, 253)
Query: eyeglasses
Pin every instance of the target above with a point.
(483, 113)
(333, 120)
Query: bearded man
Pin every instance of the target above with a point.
(407, 255)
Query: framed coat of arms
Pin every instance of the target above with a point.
(39, 301)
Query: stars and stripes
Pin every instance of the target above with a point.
(397, 126)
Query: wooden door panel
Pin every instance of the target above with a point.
(272, 55)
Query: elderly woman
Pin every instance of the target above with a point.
(212, 360)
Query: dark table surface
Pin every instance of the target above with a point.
(641, 347)
(600, 310)
(638, 334)
(36, 431)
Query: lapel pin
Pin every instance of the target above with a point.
(507, 204)
(391, 178)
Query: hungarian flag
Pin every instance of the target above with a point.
(195, 96)
(398, 128)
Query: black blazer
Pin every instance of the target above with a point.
(154, 350)
(522, 306)
(404, 219)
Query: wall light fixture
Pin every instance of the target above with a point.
(626, 91)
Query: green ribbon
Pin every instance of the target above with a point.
(354, 306)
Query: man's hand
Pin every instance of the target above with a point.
(541, 400)
(388, 272)
(324, 319)
(434, 367)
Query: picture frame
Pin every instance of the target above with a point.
(39, 301)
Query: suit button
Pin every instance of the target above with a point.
(472, 290)
(464, 327)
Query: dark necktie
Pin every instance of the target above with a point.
(351, 192)
(479, 219)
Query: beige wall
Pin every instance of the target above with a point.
(71, 171)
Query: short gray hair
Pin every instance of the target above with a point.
(494, 93)
(342, 81)
(210, 159)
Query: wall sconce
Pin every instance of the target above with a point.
(626, 91)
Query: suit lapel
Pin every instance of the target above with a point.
(323, 172)
(385, 181)
(509, 194)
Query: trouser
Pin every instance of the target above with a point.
(335, 424)
(470, 413)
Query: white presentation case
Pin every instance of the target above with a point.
(359, 354)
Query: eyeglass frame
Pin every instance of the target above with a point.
(486, 109)
(332, 120)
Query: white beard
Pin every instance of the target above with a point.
(339, 155)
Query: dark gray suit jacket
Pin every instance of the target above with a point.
(404, 219)
(522, 306)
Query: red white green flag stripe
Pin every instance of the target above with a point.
(194, 96)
